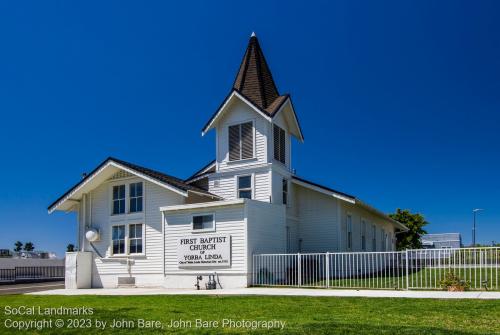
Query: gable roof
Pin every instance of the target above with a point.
(337, 194)
(254, 84)
(160, 176)
(172, 183)
(206, 170)
(347, 197)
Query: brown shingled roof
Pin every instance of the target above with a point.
(255, 81)
(159, 176)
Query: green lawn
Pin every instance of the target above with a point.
(303, 315)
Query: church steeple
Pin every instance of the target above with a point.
(254, 85)
(254, 79)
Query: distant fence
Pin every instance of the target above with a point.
(31, 273)
(409, 269)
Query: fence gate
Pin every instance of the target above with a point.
(409, 269)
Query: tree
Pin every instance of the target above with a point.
(28, 246)
(70, 248)
(415, 223)
(18, 246)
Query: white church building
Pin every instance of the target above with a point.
(146, 228)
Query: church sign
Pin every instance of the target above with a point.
(204, 251)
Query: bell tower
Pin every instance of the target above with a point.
(254, 125)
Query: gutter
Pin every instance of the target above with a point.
(202, 205)
(381, 214)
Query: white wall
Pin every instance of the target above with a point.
(266, 224)
(227, 183)
(358, 214)
(266, 228)
(323, 223)
(318, 220)
(254, 227)
(107, 269)
(239, 112)
(260, 166)
(229, 220)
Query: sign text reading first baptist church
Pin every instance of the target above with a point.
(204, 250)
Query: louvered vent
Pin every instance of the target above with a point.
(121, 174)
(241, 141)
(246, 140)
(279, 144)
(234, 143)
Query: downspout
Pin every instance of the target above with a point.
(163, 231)
(339, 226)
(90, 209)
(90, 225)
(84, 221)
(96, 251)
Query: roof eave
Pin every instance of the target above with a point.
(235, 93)
(198, 177)
(205, 194)
(381, 214)
(299, 135)
(101, 167)
(218, 113)
(201, 205)
(348, 198)
(323, 190)
(201, 171)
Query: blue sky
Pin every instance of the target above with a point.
(399, 100)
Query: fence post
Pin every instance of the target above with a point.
(327, 258)
(407, 274)
(253, 270)
(299, 268)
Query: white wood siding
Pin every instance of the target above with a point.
(262, 189)
(240, 112)
(152, 262)
(277, 187)
(358, 214)
(227, 184)
(266, 228)
(323, 223)
(318, 220)
(229, 220)
(266, 224)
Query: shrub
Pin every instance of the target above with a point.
(452, 282)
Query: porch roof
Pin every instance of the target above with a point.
(202, 205)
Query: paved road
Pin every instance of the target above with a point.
(30, 287)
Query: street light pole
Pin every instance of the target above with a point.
(474, 211)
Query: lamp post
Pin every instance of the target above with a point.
(474, 211)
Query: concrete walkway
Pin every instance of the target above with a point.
(30, 287)
(280, 292)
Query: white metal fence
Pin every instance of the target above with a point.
(31, 273)
(409, 269)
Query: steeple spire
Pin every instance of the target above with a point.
(255, 86)
(254, 79)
